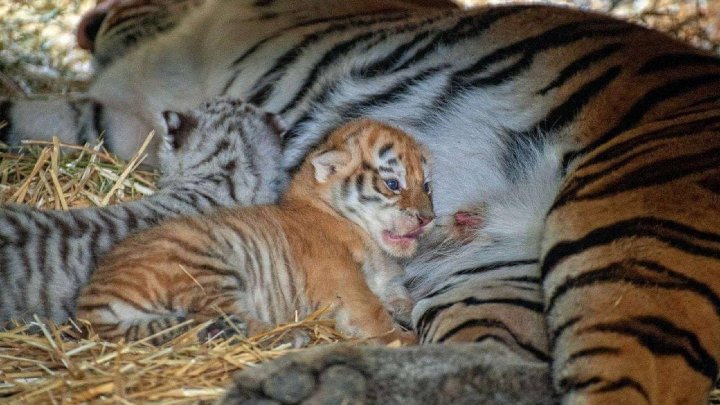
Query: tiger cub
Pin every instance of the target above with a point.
(359, 200)
(222, 153)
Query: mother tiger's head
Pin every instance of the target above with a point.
(376, 176)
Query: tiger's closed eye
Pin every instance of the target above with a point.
(392, 184)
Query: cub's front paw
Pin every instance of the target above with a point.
(223, 328)
(401, 311)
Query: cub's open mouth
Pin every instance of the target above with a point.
(408, 237)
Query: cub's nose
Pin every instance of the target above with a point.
(424, 219)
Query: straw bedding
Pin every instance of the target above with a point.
(69, 364)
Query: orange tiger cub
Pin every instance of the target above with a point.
(358, 202)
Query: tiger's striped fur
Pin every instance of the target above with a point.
(356, 202)
(221, 154)
(592, 142)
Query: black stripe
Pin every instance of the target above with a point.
(392, 94)
(664, 338)
(140, 289)
(284, 62)
(359, 108)
(573, 105)
(385, 149)
(111, 226)
(211, 199)
(339, 50)
(672, 131)
(523, 279)
(494, 323)
(681, 60)
(561, 35)
(384, 65)
(649, 101)
(131, 219)
(711, 184)
(97, 120)
(700, 109)
(48, 272)
(637, 143)
(577, 183)
(468, 27)
(557, 332)
(21, 234)
(590, 352)
(188, 247)
(285, 30)
(495, 266)
(95, 307)
(132, 333)
(623, 383)
(231, 186)
(355, 110)
(431, 313)
(673, 233)
(569, 384)
(359, 180)
(222, 146)
(581, 64)
(360, 186)
(653, 174)
(5, 120)
(638, 273)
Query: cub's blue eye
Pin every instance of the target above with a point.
(426, 186)
(392, 184)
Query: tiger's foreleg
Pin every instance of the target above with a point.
(631, 258)
(434, 374)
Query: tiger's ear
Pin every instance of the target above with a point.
(327, 163)
(179, 127)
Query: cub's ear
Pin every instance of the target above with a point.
(179, 127)
(327, 163)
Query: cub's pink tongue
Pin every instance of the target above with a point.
(395, 237)
(400, 241)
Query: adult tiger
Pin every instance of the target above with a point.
(591, 143)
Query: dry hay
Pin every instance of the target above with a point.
(41, 174)
(38, 53)
(56, 364)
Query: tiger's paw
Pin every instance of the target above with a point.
(347, 374)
